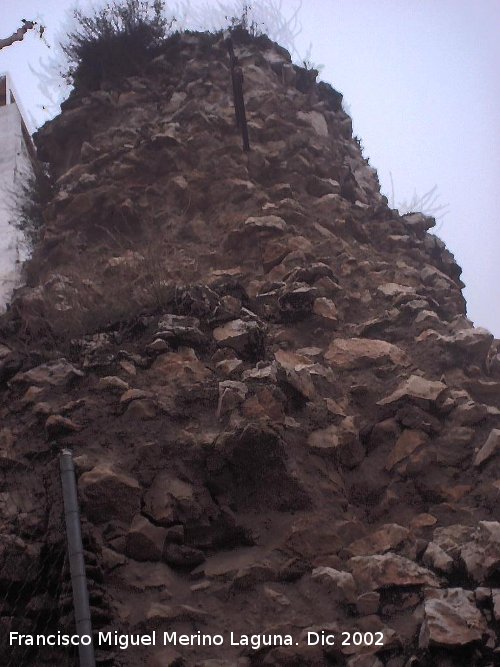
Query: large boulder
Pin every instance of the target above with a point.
(451, 619)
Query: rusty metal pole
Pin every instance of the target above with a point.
(238, 99)
(76, 559)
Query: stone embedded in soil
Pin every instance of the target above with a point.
(59, 425)
(109, 495)
(145, 541)
(170, 500)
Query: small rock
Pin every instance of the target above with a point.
(178, 555)
(231, 395)
(112, 383)
(244, 337)
(133, 395)
(437, 559)
(338, 584)
(109, 495)
(158, 345)
(326, 310)
(388, 537)
(144, 540)
(490, 448)
(58, 425)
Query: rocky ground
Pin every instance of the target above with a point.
(282, 420)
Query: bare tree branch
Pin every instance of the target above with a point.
(17, 36)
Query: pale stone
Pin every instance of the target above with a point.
(244, 337)
(266, 223)
(482, 555)
(490, 448)
(55, 373)
(451, 619)
(112, 383)
(394, 289)
(359, 352)
(316, 120)
(416, 387)
(339, 584)
(326, 309)
(388, 537)
(378, 571)
(437, 559)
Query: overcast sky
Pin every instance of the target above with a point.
(420, 78)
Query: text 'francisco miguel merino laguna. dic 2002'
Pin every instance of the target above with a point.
(255, 641)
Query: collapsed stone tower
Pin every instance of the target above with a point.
(283, 423)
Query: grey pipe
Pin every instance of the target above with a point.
(76, 559)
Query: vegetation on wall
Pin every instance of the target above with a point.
(114, 41)
(30, 196)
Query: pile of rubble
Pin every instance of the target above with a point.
(303, 435)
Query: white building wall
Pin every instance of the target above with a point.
(14, 163)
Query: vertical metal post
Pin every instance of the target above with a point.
(76, 559)
(238, 98)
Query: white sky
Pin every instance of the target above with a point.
(420, 78)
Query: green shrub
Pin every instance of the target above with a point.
(115, 41)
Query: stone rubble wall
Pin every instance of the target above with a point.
(304, 433)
